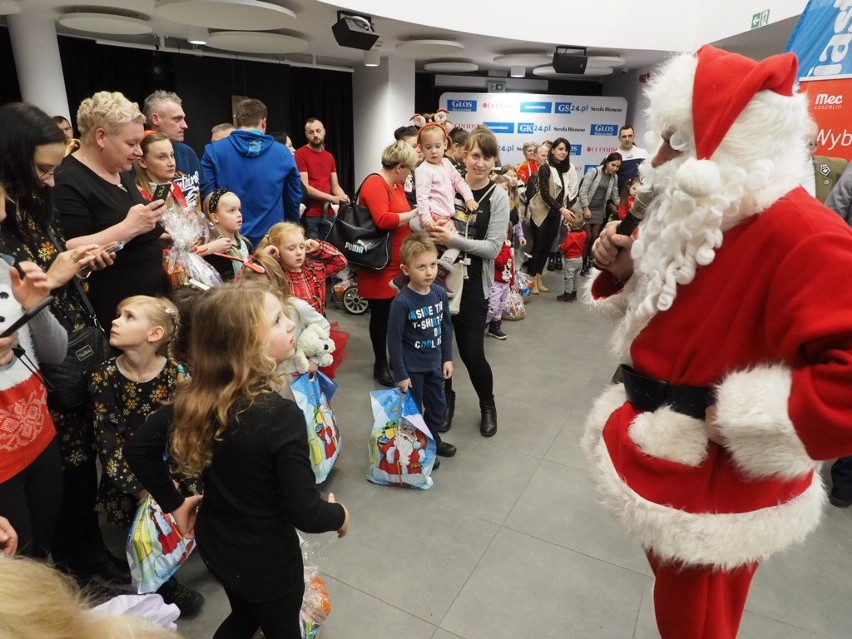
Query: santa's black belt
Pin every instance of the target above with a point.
(649, 394)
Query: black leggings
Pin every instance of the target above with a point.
(379, 313)
(79, 543)
(543, 237)
(279, 618)
(594, 231)
(469, 330)
(30, 501)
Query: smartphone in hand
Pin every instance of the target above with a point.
(162, 190)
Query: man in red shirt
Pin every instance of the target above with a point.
(319, 177)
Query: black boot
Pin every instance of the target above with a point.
(586, 266)
(488, 425)
(451, 411)
(189, 601)
(382, 374)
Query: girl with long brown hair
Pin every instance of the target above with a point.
(250, 446)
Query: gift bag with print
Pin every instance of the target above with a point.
(313, 393)
(155, 547)
(402, 450)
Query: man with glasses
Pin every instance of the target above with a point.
(631, 155)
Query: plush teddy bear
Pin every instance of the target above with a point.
(314, 344)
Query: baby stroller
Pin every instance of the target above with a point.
(344, 292)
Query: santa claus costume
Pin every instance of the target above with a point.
(733, 305)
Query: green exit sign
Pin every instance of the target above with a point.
(496, 86)
(760, 19)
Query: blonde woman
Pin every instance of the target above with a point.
(99, 203)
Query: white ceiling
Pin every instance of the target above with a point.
(313, 21)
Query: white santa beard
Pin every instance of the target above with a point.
(696, 203)
(404, 447)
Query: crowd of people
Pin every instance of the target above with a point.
(189, 402)
(89, 227)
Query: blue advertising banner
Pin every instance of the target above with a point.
(822, 40)
(589, 123)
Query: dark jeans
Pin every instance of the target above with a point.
(427, 388)
(379, 313)
(543, 237)
(30, 501)
(279, 618)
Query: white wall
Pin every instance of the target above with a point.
(630, 86)
(652, 24)
(725, 18)
(382, 99)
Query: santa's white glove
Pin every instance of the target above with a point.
(391, 455)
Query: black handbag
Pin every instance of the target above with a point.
(355, 234)
(88, 348)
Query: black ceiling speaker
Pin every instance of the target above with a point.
(354, 31)
(567, 60)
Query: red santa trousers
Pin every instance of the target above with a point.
(703, 602)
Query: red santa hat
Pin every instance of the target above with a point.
(724, 85)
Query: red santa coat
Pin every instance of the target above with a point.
(769, 324)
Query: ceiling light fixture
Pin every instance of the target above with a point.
(197, 35)
(518, 72)
(371, 59)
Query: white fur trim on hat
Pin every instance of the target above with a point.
(753, 418)
(667, 434)
(726, 540)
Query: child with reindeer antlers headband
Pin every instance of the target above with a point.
(437, 181)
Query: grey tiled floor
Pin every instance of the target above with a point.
(511, 542)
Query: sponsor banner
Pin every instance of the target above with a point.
(831, 105)
(589, 123)
(822, 40)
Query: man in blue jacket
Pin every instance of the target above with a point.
(261, 171)
(164, 113)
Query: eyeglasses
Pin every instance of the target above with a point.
(247, 262)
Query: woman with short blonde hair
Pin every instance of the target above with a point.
(98, 202)
(107, 110)
(383, 193)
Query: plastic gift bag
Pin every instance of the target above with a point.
(155, 547)
(186, 229)
(313, 394)
(523, 285)
(151, 607)
(515, 309)
(316, 603)
(402, 450)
